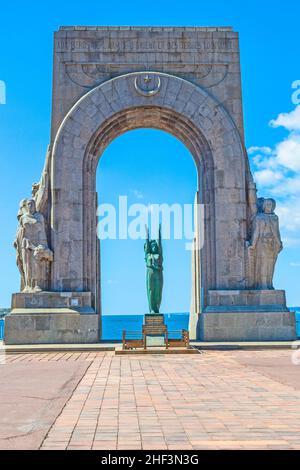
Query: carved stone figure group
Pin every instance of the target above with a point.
(33, 253)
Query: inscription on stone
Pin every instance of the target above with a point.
(139, 45)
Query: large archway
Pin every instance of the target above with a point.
(190, 114)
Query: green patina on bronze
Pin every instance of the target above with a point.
(154, 264)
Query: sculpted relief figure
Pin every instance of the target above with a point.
(40, 190)
(33, 253)
(265, 244)
(154, 264)
(18, 242)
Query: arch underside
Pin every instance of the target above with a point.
(165, 120)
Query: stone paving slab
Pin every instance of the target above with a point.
(29, 348)
(247, 345)
(111, 346)
(278, 367)
(32, 394)
(155, 350)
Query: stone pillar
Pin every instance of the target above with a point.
(196, 287)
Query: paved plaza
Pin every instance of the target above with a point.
(96, 400)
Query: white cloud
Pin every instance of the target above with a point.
(290, 121)
(288, 186)
(289, 214)
(267, 177)
(277, 173)
(278, 169)
(265, 150)
(289, 242)
(288, 152)
(296, 265)
(265, 162)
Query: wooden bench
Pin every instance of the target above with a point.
(133, 343)
(183, 342)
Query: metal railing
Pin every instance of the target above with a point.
(297, 316)
(1, 328)
(175, 334)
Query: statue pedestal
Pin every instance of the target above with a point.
(52, 318)
(246, 315)
(154, 329)
(246, 300)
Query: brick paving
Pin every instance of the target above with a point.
(208, 401)
(214, 400)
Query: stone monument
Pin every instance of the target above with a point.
(185, 81)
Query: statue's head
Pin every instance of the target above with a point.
(34, 188)
(269, 206)
(31, 207)
(22, 208)
(260, 204)
(154, 247)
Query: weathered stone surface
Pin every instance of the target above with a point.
(220, 300)
(78, 301)
(87, 57)
(42, 326)
(32, 396)
(248, 326)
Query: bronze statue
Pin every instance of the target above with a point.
(154, 264)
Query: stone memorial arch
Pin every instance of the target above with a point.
(186, 81)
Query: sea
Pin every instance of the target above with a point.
(113, 325)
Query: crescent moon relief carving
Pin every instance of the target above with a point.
(147, 84)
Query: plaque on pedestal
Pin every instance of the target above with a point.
(154, 329)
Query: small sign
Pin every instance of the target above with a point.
(155, 340)
(74, 302)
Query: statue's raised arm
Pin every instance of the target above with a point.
(147, 243)
(159, 241)
(40, 191)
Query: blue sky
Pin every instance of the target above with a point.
(269, 42)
